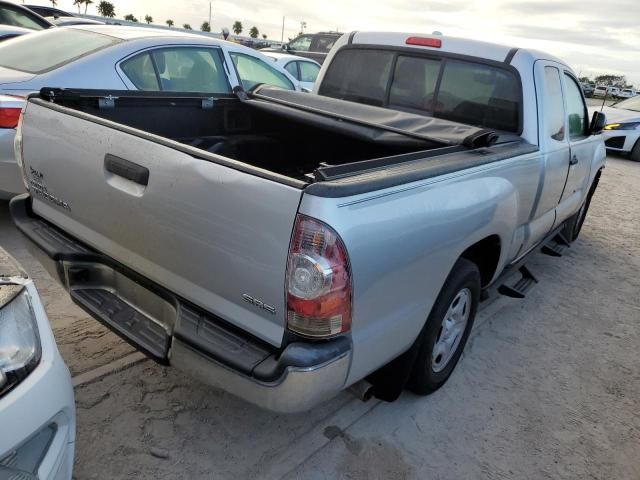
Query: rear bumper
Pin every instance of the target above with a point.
(173, 331)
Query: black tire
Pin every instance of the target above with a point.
(635, 152)
(423, 379)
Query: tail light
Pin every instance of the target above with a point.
(424, 42)
(9, 117)
(318, 281)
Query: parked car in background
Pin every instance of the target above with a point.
(120, 58)
(601, 91)
(302, 69)
(622, 132)
(45, 11)
(37, 410)
(19, 16)
(310, 45)
(614, 92)
(284, 246)
(627, 93)
(588, 89)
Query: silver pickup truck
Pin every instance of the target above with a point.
(285, 246)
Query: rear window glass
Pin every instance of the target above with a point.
(359, 76)
(51, 49)
(469, 92)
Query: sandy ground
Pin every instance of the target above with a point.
(548, 387)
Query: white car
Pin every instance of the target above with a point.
(627, 93)
(37, 410)
(622, 132)
(114, 57)
(302, 69)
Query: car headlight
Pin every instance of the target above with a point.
(622, 126)
(20, 349)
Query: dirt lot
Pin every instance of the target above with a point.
(549, 387)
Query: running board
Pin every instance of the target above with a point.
(556, 247)
(521, 287)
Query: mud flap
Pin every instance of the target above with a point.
(389, 381)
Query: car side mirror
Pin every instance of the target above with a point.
(598, 122)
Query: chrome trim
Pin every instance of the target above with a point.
(298, 390)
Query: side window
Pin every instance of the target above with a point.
(358, 75)
(323, 43)
(576, 109)
(19, 18)
(292, 68)
(140, 71)
(308, 71)
(184, 69)
(414, 83)
(554, 106)
(302, 43)
(253, 71)
(189, 69)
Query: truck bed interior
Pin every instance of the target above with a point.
(235, 129)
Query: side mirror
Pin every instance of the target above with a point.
(598, 122)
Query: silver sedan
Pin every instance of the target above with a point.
(111, 57)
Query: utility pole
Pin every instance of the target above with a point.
(209, 14)
(282, 34)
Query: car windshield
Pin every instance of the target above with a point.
(51, 49)
(629, 104)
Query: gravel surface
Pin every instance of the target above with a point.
(548, 387)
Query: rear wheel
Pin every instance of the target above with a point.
(447, 329)
(635, 152)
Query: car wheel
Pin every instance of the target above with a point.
(635, 152)
(447, 329)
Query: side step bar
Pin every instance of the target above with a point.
(521, 287)
(556, 247)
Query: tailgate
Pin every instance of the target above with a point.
(204, 231)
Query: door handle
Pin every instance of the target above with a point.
(126, 169)
(574, 159)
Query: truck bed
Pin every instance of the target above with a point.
(267, 131)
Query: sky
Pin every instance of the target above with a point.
(593, 36)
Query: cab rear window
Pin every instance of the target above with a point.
(44, 51)
(464, 91)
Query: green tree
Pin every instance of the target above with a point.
(610, 80)
(106, 9)
(264, 35)
(169, 23)
(148, 19)
(77, 3)
(186, 26)
(237, 27)
(205, 27)
(585, 80)
(130, 17)
(86, 5)
(253, 33)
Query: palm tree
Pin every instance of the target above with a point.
(106, 9)
(264, 36)
(205, 27)
(54, 3)
(148, 19)
(237, 27)
(253, 33)
(86, 4)
(130, 17)
(169, 23)
(78, 3)
(186, 26)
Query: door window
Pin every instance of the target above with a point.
(292, 68)
(308, 71)
(324, 43)
(576, 109)
(302, 43)
(414, 83)
(554, 106)
(184, 69)
(253, 71)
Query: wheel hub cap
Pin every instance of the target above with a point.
(451, 330)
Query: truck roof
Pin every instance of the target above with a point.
(460, 46)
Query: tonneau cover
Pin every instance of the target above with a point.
(367, 122)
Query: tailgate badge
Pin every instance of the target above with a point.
(259, 303)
